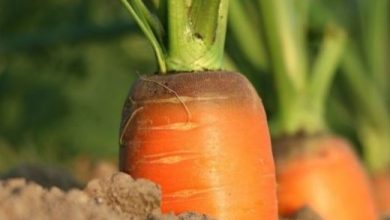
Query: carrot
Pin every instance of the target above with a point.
(316, 169)
(364, 90)
(204, 138)
(381, 183)
(366, 86)
(322, 173)
(199, 132)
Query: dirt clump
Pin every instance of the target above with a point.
(116, 197)
(125, 195)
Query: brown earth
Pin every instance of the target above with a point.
(115, 197)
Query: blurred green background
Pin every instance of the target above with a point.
(65, 70)
(66, 67)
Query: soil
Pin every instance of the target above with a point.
(59, 196)
(115, 197)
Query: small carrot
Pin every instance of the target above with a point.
(312, 168)
(201, 135)
(318, 171)
(366, 90)
(323, 173)
(381, 183)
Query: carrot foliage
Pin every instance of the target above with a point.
(185, 35)
(367, 72)
(302, 81)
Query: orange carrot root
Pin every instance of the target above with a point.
(204, 138)
(381, 182)
(323, 173)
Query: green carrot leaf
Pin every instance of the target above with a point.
(243, 25)
(151, 19)
(376, 42)
(149, 25)
(324, 67)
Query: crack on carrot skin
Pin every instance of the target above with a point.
(170, 157)
(128, 120)
(187, 193)
(177, 152)
(171, 91)
(184, 99)
(186, 126)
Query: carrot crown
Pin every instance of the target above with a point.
(186, 35)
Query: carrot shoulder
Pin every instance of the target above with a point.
(204, 138)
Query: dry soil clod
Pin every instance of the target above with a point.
(116, 197)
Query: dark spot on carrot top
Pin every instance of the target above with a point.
(198, 35)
